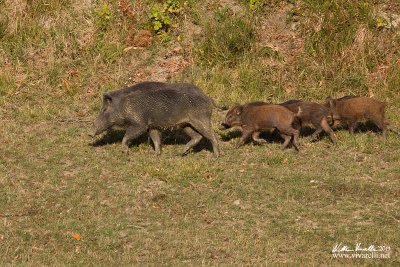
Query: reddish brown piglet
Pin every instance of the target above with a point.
(254, 119)
(352, 110)
(313, 113)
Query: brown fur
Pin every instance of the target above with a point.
(313, 113)
(351, 111)
(254, 119)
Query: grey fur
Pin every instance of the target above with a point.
(152, 106)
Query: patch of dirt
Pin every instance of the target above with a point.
(16, 11)
(276, 33)
(389, 12)
(166, 64)
(388, 15)
(232, 5)
(170, 61)
(150, 193)
(142, 38)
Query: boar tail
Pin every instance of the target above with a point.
(298, 114)
(297, 123)
(219, 108)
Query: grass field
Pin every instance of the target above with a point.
(66, 199)
(253, 205)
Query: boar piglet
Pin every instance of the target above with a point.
(150, 107)
(254, 119)
(352, 110)
(313, 113)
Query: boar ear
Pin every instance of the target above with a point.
(107, 98)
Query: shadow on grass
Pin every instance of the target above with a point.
(169, 137)
(273, 137)
(366, 127)
(369, 126)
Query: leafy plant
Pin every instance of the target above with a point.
(254, 4)
(160, 15)
(103, 17)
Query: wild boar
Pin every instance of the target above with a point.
(254, 119)
(352, 110)
(313, 113)
(151, 106)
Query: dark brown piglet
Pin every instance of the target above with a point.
(350, 111)
(254, 119)
(313, 113)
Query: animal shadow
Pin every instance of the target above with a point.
(368, 126)
(168, 137)
(307, 131)
(115, 136)
(364, 127)
(273, 137)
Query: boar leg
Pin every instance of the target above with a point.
(352, 126)
(256, 138)
(380, 122)
(155, 136)
(315, 135)
(296, 139)
(287, 139)
(206, 131)
(384, 130)
(328, 130)
(131, 133)
(287, 136)
(195, 139)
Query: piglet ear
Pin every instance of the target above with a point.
(239, 110)
(107, 98)
(330, 101)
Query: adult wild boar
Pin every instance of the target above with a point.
(313, 113)
(352, 110)
(151, 106)
(257, 118)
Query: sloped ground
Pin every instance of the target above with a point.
(284, 39)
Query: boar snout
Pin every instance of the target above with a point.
(92, 133)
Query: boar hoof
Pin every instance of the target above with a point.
(125, 150)
(183, 154)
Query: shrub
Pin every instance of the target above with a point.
(160, 15)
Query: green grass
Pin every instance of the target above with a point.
(256, 205)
